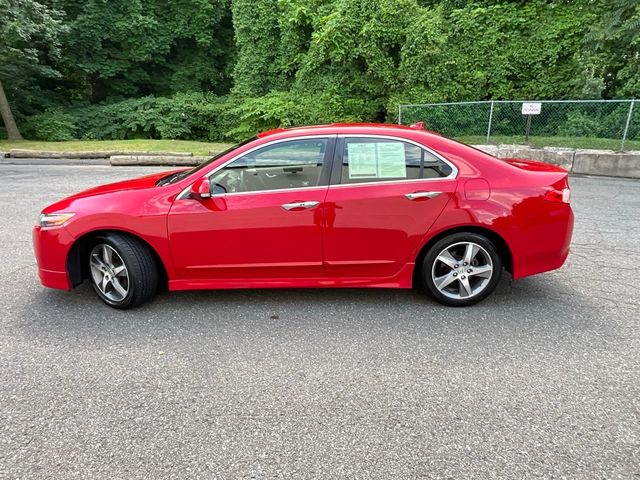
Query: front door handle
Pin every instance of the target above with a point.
(419, 195)
(300, 205)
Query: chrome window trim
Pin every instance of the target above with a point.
(386, 182)
(184, 194)
(451, 176)
(275, 190)
(454, 170)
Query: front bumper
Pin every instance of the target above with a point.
(51, 246)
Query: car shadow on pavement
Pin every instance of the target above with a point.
(543, 304)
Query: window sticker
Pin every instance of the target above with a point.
(376, 160)
(391, 161)
(363, 162)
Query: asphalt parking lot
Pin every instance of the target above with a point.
(542, 380)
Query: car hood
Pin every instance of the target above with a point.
(138, 183)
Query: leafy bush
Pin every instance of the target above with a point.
(580, 125)
(287, 109)
(196, 116)
(52, 125)
(186, 116)
(202, 116)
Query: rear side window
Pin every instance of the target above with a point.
(379, 160)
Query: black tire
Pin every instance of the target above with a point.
(141, 270)
(455, 244)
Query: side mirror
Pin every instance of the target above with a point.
(201, 189)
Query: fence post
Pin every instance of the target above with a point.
(626, 127)
(399, 114)
(490, 119)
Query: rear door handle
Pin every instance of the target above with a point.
(300, 205)
(419, 195)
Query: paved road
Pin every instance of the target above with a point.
(540, 380)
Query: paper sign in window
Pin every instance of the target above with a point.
(376, 160)
(363, 162)
(391, 161)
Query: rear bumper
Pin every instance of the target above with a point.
(51, 246)
(546, 246)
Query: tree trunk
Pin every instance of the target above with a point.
(7, 117)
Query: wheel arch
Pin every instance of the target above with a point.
(501, 245)
(77, 270)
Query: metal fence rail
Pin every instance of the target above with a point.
(568, 123)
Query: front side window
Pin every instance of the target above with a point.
(284, 165)
(376, 160)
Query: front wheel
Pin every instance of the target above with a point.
(122, 271)
(461, 269)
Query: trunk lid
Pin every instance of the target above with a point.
(533, 166)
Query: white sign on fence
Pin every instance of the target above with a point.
(531, 108)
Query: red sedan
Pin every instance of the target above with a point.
(343, 205)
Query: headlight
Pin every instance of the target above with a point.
(54, 219)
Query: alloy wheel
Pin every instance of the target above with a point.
(462, 270)
(109, 272)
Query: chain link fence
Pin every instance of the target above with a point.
(601, 124)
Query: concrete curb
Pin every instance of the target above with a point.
(147, 160)
(79, 162)
(20, 153)
(588, 162)
(597, 162)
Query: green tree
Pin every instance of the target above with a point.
(257, 36)
(501, 50)
(612, 48)
(129, 48)
(355, 49)
(29, 36)
(263, 63)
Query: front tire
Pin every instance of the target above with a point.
(461, 269)
(122, 270)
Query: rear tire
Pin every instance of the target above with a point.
(122, 270)
(461, 269)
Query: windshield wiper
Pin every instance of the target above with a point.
(174, 177)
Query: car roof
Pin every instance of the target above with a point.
(333, 128)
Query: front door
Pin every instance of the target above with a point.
(263, 220)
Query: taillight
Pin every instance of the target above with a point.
(560, 196)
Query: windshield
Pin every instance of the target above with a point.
(214, 158)
(175, 177)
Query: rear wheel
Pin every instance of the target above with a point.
(122, 271)
(461, 269)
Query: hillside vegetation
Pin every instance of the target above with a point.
(216, 70)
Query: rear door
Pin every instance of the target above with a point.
(385, 194)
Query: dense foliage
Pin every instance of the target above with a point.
(29, 46)
(214, 69)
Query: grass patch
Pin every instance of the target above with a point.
(568, 142)
(138, 145)
(203, 148)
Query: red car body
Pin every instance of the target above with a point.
(358, 235)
